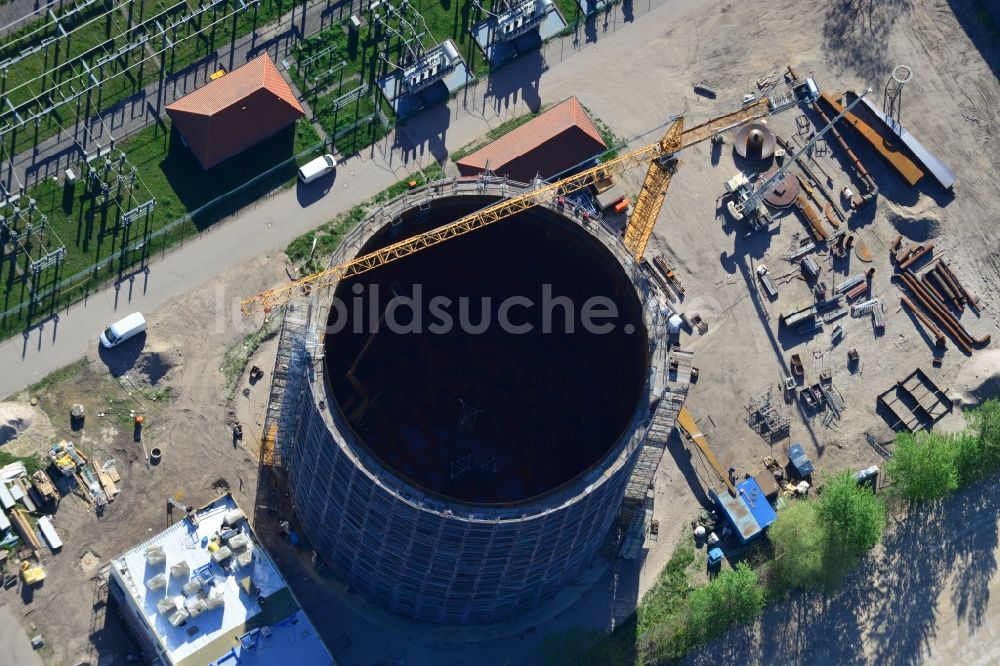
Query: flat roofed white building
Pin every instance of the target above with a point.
(204, 592)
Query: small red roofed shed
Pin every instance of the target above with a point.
(226, 116)
(547, 145)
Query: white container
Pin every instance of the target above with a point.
(245, 558)
(196, 606)
(193, 586)
(49, 532)
(233, 517)
(238, 542)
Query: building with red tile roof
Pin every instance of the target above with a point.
(228, 115)
(556, 140)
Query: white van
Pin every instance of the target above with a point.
(316, 168)
(122, 330)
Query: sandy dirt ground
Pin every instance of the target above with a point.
(635, 80)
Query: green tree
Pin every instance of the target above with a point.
(924, 466)
(982, 453)
(800, 543)
(732, 598)
(854, 514)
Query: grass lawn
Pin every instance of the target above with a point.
(329, 235)
(92, 231)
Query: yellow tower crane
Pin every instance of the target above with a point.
(661, 157)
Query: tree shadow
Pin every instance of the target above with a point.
(252, 169)
(938, 560)
(857, 34)
(981, 22)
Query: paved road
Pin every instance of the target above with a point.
(255, 232)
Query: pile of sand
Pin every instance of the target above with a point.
(24, 429)
(155, 366)
(919, 222)
(979, 378)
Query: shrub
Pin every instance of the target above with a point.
(733, 598)
(924, 466)
(800, 543)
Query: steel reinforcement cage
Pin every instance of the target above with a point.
(420, 555)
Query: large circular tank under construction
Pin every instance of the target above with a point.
(464, 474)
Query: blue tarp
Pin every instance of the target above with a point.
(753, 496)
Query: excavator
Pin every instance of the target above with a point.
(661, 158)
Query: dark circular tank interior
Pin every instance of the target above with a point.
(488, 416)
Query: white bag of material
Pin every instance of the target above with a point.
(245, 558)
(239, 542)
(166, 606)
(193, 586)
(180, 570)
(178, 618)
(196, 606)
(155, 555)
(222, 554)
(216, 599)
(233, 517)
(157, 582)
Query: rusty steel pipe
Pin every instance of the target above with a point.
(960, 337)
(855, 162)
(934, 330)
(931, 288)
(945, 288)
(951, 282)
(916, 255)
(952, 320)
(965, 292)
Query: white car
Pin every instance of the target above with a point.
(316, 168)
(122, 330)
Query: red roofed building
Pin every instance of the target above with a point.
(228, 115)
(558, 139)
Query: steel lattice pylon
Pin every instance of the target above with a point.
(654, 189)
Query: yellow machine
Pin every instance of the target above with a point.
(662, 161)
(32, 573)
(687, 423)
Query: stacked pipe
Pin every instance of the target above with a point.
(938, 310)
(915, 254)
(858, 166)
(969, 297)
(956, 291)
(934, 330)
